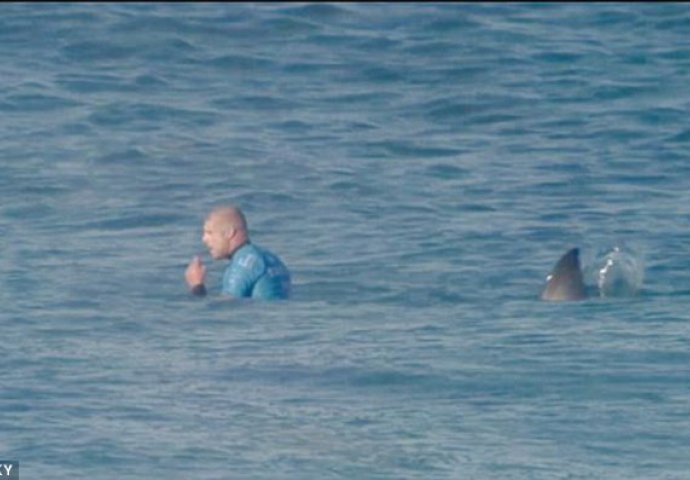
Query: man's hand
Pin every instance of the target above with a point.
(195, 273)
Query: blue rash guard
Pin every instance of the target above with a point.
(257, 273)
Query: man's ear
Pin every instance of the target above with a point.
(230, 232)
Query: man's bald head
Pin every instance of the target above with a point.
(225, 230)
(228, 217)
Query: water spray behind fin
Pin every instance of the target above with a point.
(619, 273)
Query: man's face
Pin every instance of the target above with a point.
(216, 239)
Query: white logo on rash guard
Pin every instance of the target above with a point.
(247, 262)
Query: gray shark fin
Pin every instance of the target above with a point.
(565, 282)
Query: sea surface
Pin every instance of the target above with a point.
(419, 167)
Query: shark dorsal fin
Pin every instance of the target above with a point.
(565, 281)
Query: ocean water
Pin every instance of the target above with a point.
(420, 168)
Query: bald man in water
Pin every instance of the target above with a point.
(253, 272)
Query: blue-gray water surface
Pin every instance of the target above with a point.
(420, 168)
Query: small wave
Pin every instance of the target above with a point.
(97, 51)
(134, 115)
(257, 102)
(133, 222)
(445, 171)
(320, 11)
(36, 103)
(241, 63)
